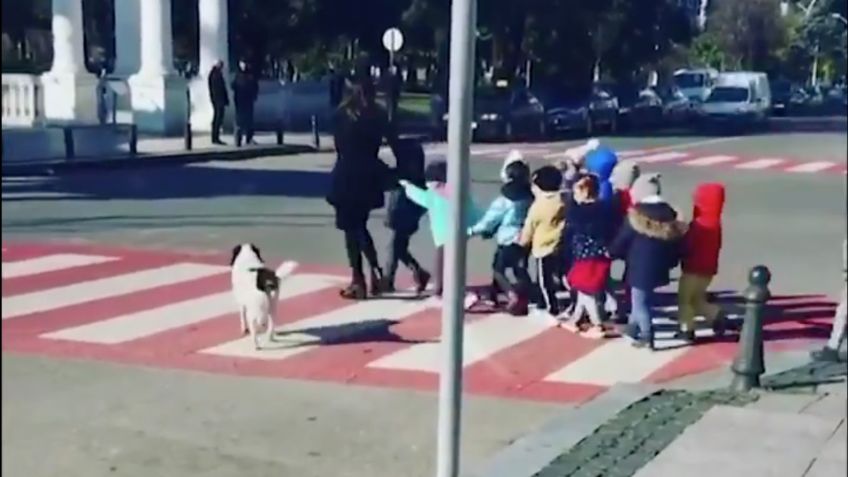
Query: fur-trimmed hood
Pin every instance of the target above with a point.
(656, 220)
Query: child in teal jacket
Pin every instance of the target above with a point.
(435, 200)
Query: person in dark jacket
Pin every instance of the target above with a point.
(245, 91)
(403, 215)
(219, 98)
(699, 264)
(358, 180)
(649, 242)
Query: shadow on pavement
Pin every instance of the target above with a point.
(167, 183)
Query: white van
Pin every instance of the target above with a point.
(695, 84)
(739, 97)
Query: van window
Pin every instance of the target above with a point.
(729, 94)
(691, 80)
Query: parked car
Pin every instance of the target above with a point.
(677, 108)
(739, 98)
(501, 112)
(581, 110)
(781, 96)
(639, 109)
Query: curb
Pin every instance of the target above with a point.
(531, 453)
(142, 160)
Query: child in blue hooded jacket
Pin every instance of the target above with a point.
(504, 220)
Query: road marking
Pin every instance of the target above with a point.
(662, 157)
(50, 263)
(145, 323)
(614, 362)
(77, 293)
(708, 161)
(309, 334)
(483, 338)
(489, 152)
(633, 153)
(764, 163)
(811, 167)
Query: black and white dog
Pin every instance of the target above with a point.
(256, 289)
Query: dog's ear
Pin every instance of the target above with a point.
(256, 251)
(235, 254)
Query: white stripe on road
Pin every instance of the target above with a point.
(50, 263)
(100, 288)
(334, 326)
(764, 163)
(662, 157)
(483, 338)
(708, 161)
(138, 325)
(615, 362)
(812, 167)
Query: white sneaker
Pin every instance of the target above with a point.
(470, 300)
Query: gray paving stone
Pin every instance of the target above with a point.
(832, 406)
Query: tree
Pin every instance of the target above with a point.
(750, 32)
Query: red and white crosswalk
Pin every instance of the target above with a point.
(683, 158)
(174, 310)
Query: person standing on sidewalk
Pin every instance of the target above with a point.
(245, 91)
(219, 98)
(839, 331)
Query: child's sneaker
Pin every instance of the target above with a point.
(595, 333)
(470, 300)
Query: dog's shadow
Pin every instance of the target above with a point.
(367, 331)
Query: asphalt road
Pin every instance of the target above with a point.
(83, 418)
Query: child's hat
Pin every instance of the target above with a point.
(511, 158)
(548, 179)
(646, 186)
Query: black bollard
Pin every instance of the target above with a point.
(133, 139)
(280, 133)
(316, 138)
(748, 365)
(187, 134)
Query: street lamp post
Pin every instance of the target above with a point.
(463, 30)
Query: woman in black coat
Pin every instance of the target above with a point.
(358, 181)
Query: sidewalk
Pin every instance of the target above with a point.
(795, 426)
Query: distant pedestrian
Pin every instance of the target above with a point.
(839, 330)
(701, 250)
(358, 181)
(336, 86)
(395, 85)
(245, 92)
(219, 98)
(403, 215)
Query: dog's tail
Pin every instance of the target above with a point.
(285, 269)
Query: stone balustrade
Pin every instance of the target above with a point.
(23, 100)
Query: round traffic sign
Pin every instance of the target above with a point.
(393, 39)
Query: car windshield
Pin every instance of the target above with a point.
(728, 94)
(690, 80)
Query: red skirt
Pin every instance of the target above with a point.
(589, 276)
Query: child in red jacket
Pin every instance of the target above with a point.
(701, 248)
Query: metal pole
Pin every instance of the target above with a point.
(463, 27)
(749, 364)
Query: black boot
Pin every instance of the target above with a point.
(377, 281)
(422, 279)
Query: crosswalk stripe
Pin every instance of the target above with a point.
(50, 263)
(763, 163)
(306, 335)
(662, 157)
(614, 362)
(708, 161)
(77, 293)
(483, 338)
(138, 325)
(632, 153)
(812, 167)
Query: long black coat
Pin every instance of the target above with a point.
(218, 88)
(359, 178)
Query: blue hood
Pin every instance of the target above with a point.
(601, 162)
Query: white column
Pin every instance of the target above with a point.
(158, 96)
(70, 92)
(127, 37)
(156, 39)
(214, 46)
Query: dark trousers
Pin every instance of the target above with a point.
(399, 252)
(547, 269)
(439, 270)
(217, 120)
(244, 123)
(358, 242)
(511, 258)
